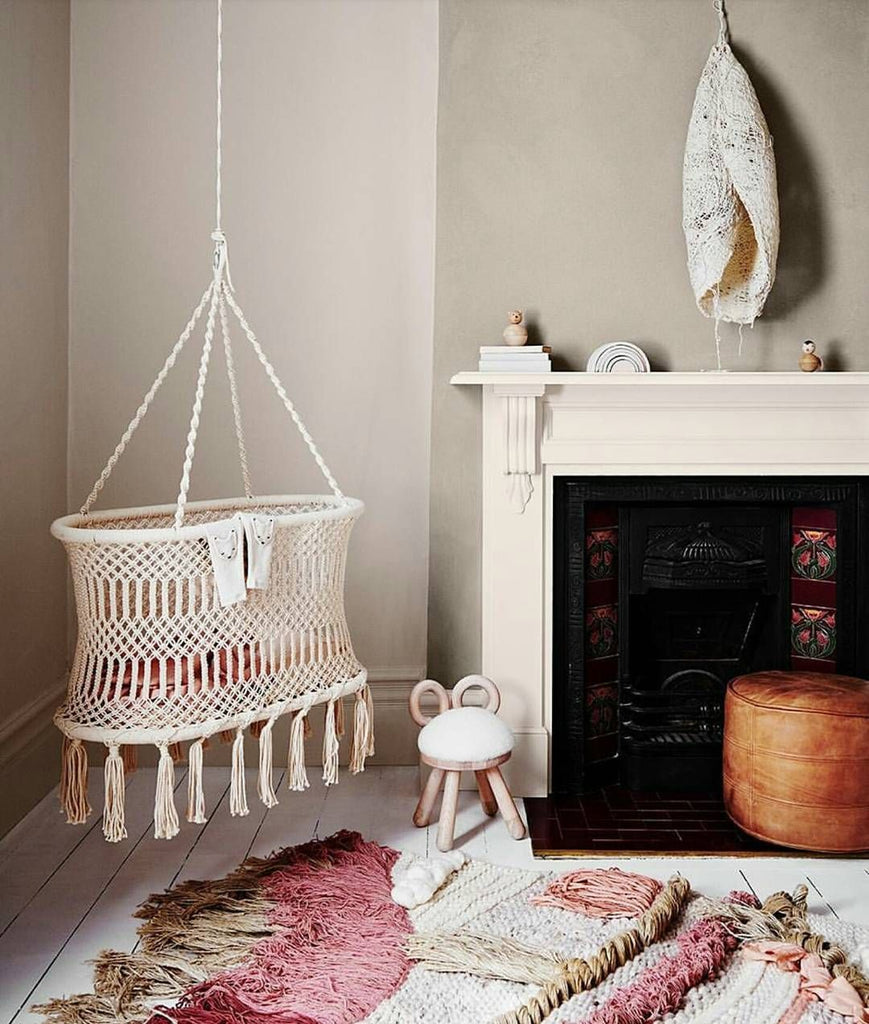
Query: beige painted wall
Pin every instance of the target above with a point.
(34, 105)
(328, 191)
(561, 127)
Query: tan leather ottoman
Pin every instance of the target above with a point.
(796, 759)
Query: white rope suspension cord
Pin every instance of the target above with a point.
(233, 391)
(146, 402)
(219, 295)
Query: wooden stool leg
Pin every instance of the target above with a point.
(422, 814)
(447, 823)
(515, 825)
(487, 798)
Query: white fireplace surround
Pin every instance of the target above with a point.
(539, 426)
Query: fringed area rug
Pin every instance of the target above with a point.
(311, 935)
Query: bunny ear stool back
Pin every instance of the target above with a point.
(209, 617)
(463, 738)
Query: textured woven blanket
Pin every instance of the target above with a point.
(311, 935)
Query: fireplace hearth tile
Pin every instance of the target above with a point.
(616, 821)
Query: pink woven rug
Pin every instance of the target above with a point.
(311, 935)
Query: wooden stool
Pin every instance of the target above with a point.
(796, 759)
(460, 739)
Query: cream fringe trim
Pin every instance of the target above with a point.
(165, 814)
(265, 787)
(114, 827)
(122, 758)
(237, 793)
(195, 790)
(74, 782)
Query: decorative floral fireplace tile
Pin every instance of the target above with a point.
(814, 571)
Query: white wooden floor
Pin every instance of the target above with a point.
(67, 894)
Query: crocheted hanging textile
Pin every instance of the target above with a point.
(730, 202)
(310, 936)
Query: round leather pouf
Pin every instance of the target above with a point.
(796, 759)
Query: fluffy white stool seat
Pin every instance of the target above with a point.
(465, 734)
(461, 739)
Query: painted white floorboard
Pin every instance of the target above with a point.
(38, 845)
(110, 925)
(66, 893)
(60, 906)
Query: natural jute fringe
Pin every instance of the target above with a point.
(783, 918)
(201, 929)
(559, 979)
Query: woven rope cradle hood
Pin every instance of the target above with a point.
(729, 193)
(210, 617)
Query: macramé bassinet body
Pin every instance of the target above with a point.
(160, 660)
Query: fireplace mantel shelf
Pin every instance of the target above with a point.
(537, 427)
(824, 382)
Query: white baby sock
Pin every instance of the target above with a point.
(226, 547)
(260, 532)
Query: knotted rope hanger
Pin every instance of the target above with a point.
(220, 298)
(722, 22)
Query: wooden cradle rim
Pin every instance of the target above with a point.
(79, 529)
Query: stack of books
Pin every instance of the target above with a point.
(514, 359)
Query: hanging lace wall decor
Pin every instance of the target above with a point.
(208, 618)
(729, 196)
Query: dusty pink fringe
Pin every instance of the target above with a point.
(600, 892)
(661, 989)
(337, 953)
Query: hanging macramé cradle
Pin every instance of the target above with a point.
(208, 617)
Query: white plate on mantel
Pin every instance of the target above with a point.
(618, 357)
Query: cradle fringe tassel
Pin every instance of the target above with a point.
(297, 776)
(330, 744)
(339, 718)
(195, 790)
(74, 782)
(165, 814)
(130, 757)
(265, 786)
(362, 729)
(782, 918)
(114, 827)
(559, 979)
(237, 791)
(369, 706)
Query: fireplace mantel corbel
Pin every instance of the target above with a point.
(519, 407)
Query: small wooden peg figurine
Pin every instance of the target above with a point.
(515, 333)
(809, 362)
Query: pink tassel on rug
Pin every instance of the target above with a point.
(661, 989)
(337, 952)
(600, 892)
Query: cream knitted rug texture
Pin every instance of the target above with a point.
(311, 935)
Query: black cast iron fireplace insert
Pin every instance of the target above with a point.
(667, 588)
